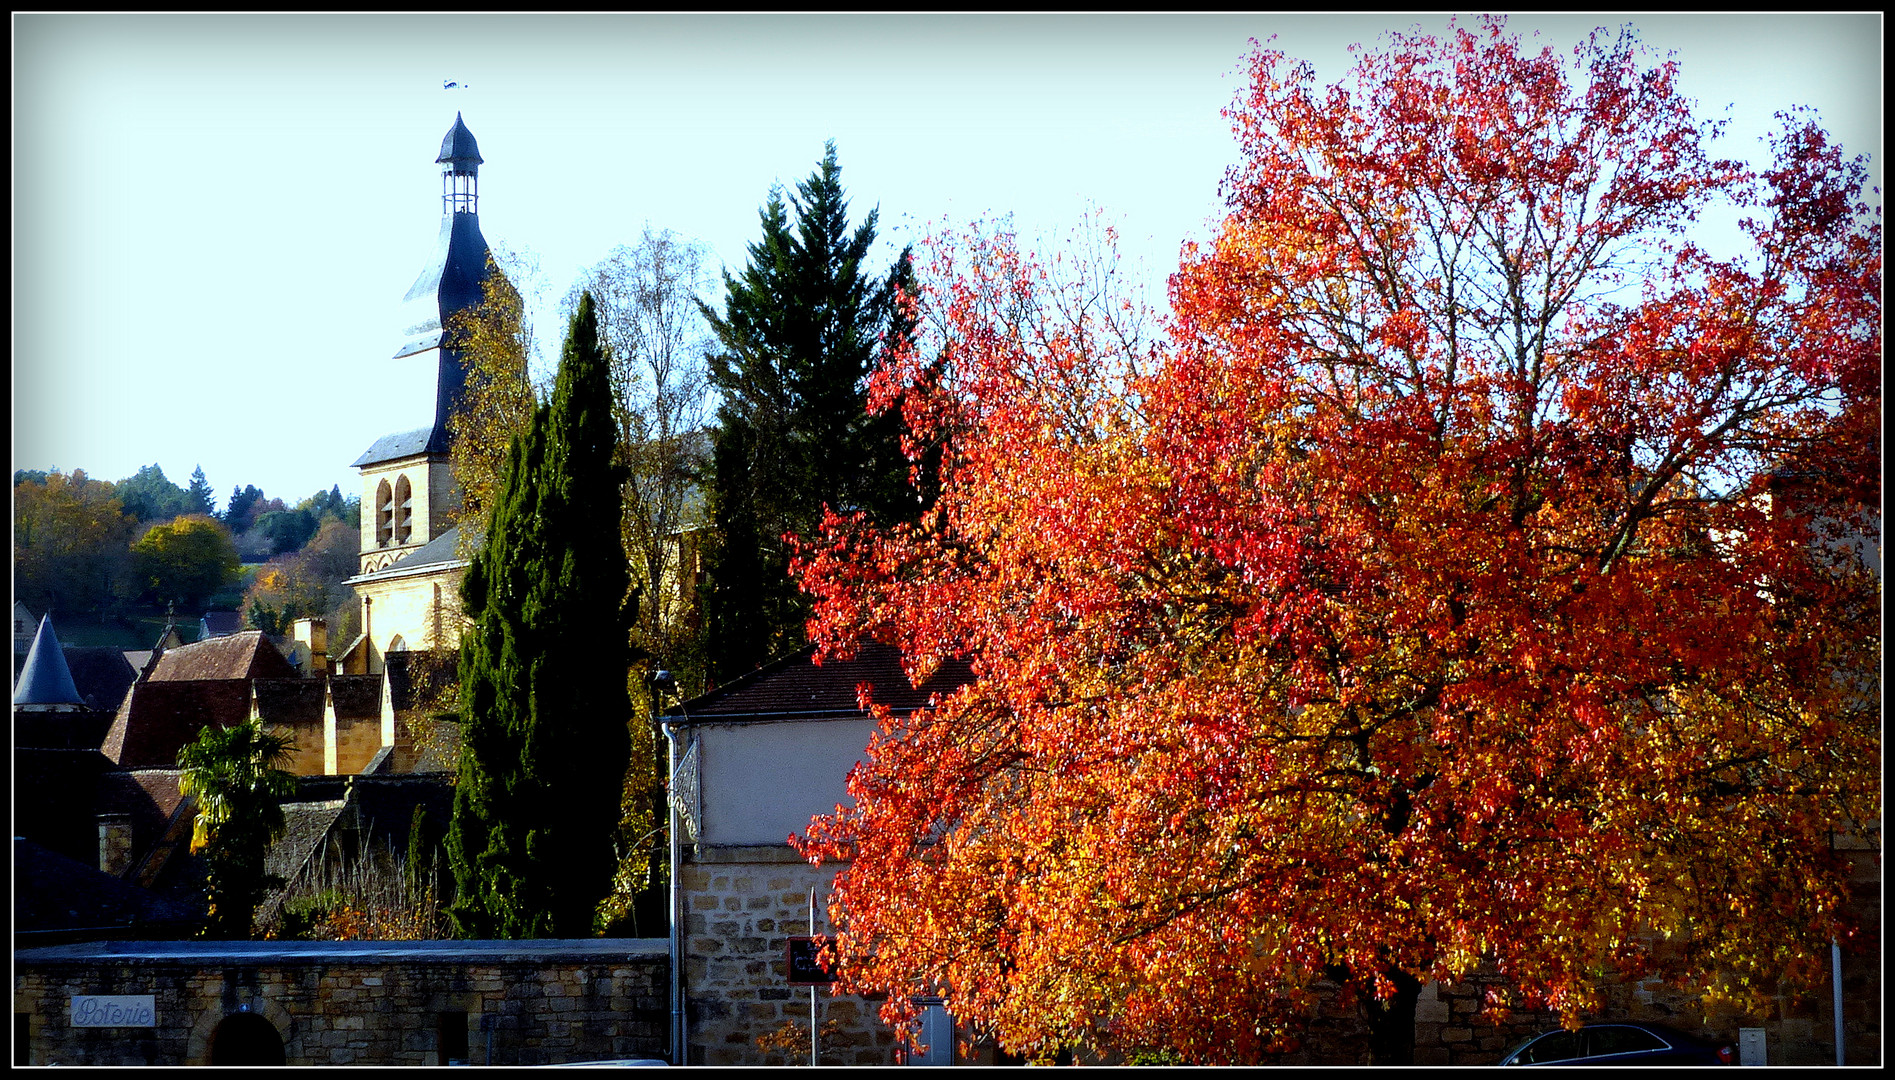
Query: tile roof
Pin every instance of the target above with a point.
(399, 445)
(248, 655)
(419, 678)
(158, 718)
(102, 673)
(221, 623)
(54, 893)
(356, 696)
(83, 729)
(796, 684)
(289, 701)
(443, 551)
(53, 801)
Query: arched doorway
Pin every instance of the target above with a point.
(246, 1039)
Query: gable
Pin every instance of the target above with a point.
(248, 655)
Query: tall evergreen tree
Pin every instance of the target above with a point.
(800, 332)
(198, 498)
(543, 676)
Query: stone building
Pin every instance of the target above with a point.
(761, 756)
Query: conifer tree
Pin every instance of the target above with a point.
(543, 676)
(198, 498)
(800, 332)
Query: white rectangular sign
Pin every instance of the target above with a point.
(128, 1010)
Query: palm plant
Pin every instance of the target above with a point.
(234, 775)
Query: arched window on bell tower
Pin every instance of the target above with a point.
(404, 509)
(384, 514)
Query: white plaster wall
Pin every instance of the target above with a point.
(763, 780)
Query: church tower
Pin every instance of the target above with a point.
(409, 573)
(408, 492)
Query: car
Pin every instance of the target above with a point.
(1620, 1044)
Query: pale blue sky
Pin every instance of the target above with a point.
(215, 217)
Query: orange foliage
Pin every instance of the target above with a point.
(1465, 580)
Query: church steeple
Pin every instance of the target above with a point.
(409, 494)
(460, 179)
(451, 281)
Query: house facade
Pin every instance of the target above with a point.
(757, 759)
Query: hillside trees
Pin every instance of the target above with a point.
(543, 675)
(801, 329)
(71, 543)
(1431, 600)
(184, 561)
(308, 583)
(148, 495)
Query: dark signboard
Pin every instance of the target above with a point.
(802, 964)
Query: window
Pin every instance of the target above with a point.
(384, 515)
(1601, 1041)
(1558, 1046)
(404, 510)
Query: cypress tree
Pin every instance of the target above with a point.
(543, 675)
(800, 332)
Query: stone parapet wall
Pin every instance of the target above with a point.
(742, 904)
(356, 1003)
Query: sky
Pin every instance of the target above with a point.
(215, 217)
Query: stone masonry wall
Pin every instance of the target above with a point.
(741, 907)
(380, 1003)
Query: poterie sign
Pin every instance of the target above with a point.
(128, 1010)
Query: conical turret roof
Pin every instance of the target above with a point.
(459, 144)
(46, 680)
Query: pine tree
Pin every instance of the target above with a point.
(198, 498)
(801, 330)
(543, 676)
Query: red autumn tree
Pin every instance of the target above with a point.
(1471, 579)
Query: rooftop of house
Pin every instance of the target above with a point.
(290, 701)
(56, 894)
(797, 684)
(159, 718)
(221, 623)
(246, 655)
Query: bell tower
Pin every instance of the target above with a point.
(408, 491)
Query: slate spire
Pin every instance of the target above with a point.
(46, 682)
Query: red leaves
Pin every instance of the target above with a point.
(1412, 606)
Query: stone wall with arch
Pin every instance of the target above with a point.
(352, 1002)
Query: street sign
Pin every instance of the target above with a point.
(801, 963)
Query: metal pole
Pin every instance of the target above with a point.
(812, 988)
(1835, 978)
(676, 911)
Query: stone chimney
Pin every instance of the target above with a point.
(115, 843)
(313, 635)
